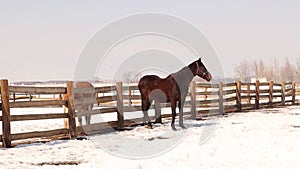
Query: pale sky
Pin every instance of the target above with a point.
(42, 40)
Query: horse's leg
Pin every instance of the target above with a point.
(145, 107)
(157, 112)
(173, 107)
(80, 120)
(180, 106)
(88, 117)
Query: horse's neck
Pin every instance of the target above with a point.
(183, 77)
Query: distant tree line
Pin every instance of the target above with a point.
(275, 69)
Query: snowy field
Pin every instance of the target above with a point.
(266, 138)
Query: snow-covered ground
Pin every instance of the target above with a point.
(266, 138)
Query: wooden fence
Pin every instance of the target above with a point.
(120, 100)
(8, 101)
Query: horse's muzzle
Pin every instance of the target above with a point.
(208, 76)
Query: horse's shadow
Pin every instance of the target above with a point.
(198, 125)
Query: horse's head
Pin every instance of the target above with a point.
(201, 71)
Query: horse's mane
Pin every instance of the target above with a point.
(180, 72)
(184, 71)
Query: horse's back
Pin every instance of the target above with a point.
(150, 77)
(148, 80)
(147, 83)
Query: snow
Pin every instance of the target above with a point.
(266, 138)
(36, 125)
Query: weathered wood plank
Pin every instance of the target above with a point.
(37, 90)
(276, 90)
(106, 99)
(37, 116)
(264, 91)
(105, 89)
(206, 85)
(277, 84)
(248, 91)
(227, 92)
(229, 85)
(37, 134)
(132, 97)
(230, 99)
(133, 88)
(264, 84)
(230, 108)
(246, 97)
(210, 101)
(108, 110)
(216, 93)
(23, 104)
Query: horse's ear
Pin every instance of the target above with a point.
(200, 59)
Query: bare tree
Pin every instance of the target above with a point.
(272, 70)
(243, 71)
(258, 68)
(278, 71)
(287, 72)
(275, 69)
(131, 76)
(297, 69)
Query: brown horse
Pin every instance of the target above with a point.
(173, 89)
(81, 96)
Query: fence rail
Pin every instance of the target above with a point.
(203, 99)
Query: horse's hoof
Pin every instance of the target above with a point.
(158, 121)
(183, 127)
(149, 126)
(174, 128)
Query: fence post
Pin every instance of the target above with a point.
(257, 94)
(120, 110)
(71, 111)
(14, 96)
(6, 137)
(248, 94)
(283, 94)
(221, 106)
(238, 95)
(271, 84)
(65, 107)
(193, 99)
(129, 95)
(293, 93)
